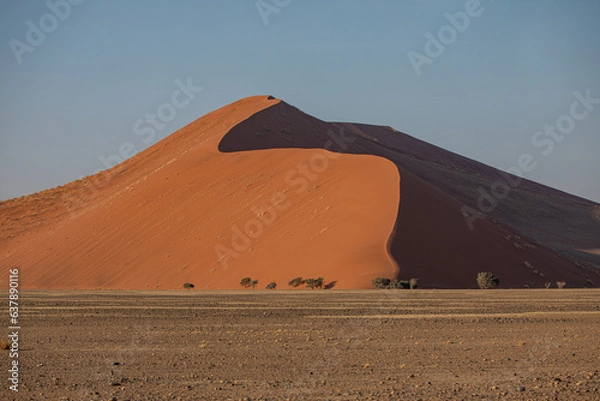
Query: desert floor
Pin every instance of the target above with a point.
(309, 345)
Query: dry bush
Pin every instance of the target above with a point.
(413, 283)
(404, 284)
(296, 282)
(486, 280)
(381, 282)
(245, 282)
(395, 284)
(313, 283)
(561, 284)
(330, 285)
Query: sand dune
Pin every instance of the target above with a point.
(260, 189)
(184, 212)
(432, 240)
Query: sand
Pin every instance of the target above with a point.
(182, 211)
(310, 345)
(260, 189)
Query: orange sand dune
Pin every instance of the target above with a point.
(260, 189)
(174, 214)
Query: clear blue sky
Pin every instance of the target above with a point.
(77, 93)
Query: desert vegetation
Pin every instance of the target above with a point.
(486, 280)
(296, 282)
(396, 284)
(313, 283)
(188, 286)
(381, 282)
(247, 282)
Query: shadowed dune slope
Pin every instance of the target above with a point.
(182, 211)
(533, 236)
(260, 189)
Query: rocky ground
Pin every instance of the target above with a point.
(309, 345)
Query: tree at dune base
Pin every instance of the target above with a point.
(386, 283)
(247, 282)
(313, 283)
(296, 282)
(486, 280)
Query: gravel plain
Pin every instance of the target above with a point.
(308, 345)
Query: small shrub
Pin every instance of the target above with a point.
(413, 283)
(547, 285)
(381, 282)
(486, 280)
(384, 282)
(245, 282)
(253, 283)
(271, 286)
(404, 284)
(296, 282)
(313, 283)
(561, 284)
(330, 285)
(395, 284)
(188, 286)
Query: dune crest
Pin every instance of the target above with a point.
(258, 188)
(182, 211)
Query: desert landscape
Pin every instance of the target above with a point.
(114, 279)
(258, 188)
(310, 345)
(279, 200)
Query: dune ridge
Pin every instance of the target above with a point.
(259, 188)
(181, 211)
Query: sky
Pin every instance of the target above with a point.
(486, 79)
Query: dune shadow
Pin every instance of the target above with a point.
(435, 243)
(285, 127)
